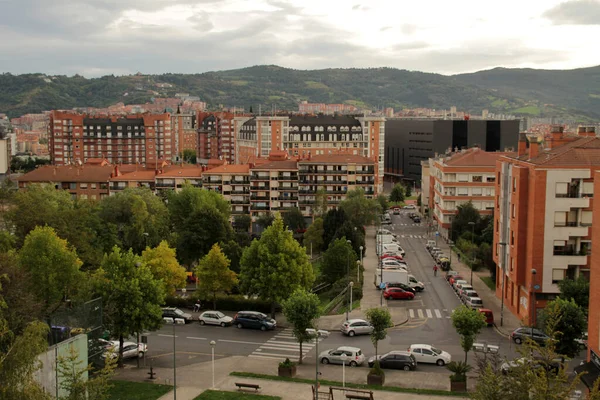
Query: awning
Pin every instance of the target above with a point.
(590, 373)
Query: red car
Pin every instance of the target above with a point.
(391, 257)
(454, 279)
(397, 293)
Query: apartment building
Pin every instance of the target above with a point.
(216, 136)
(184, 135)
(173, 177)
(460, 177)
(336, 174)
(83, 182)
(274, 186)
(301, 136)
(542, 217)
(233, 182)
(134, 139)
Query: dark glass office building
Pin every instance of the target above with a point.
(408, 142)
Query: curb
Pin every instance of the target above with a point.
(500, 332)
(403, 322)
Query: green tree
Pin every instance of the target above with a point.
(233, 251)
(397, 195)
(319, 208)
(79, 381)
(7, 241)
(407, 190)
(468, 323)
(275, 266)
(52, 265)
(383, 202)
(576, 289)
(164, 266)
(214, 275)
(331, 222)
(301, 309)
(487, 229)
(337, 259)
(265, 220)
(381, 320)
(242, 223)
(189, 199)
(131, 296)
(313, 237)
(7, 194)
(460, 224)
(189, 156)
(567, 321)
(355, 234)
(361, 210)
(294, 219)
(139, 217)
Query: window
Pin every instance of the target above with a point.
(72, 186)
(463, 178)
(586, 218)
(514, 185)
(514, 211)
(558, 275)
(463, 191)
(477, 192)
(588, 189)
(477, 178)
(83, 185)
(562, 189)
(560, 218)
(491, 179)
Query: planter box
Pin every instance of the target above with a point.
(288, 372)
(458, 386)
(378, 380)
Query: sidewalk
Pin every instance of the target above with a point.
(488, 296)
(194, 379)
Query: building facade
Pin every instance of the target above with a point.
(301, 136)
(83, 182)
(408, 142)
(183, 130)
(216, 136)
(458, 178)
(542, 218)
(233, 182)
(134, 139)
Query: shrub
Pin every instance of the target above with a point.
(287, 363)
(226, 303)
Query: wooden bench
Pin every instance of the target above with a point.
(358, 396)
(241, 385)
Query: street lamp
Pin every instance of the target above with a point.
(348, 273)
(533, 288)
(174, 362)
(344, 358)
(361, 264)
(472, 248)
(351, 285)
(316, 334)
(503, 277)
(212, 347)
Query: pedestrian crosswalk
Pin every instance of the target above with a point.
(407, 225)
(414, 236)
(428, 313)
(281, 346)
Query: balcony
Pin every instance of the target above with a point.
(260, 177)
(368, 182)
(213, 181)
(255, 207)
(290, 198)
(306, 202)
(240, 182)
(265, 188)
(240, 192)
(286, 188)
(292, 177)
(162, 185)
(365, 172)
(247, 202)
(566, 201)
(259, 198)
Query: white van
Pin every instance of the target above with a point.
(386, 239)
(392, 247)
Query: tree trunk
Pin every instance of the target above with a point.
(376, 343)
(466, 353)
(300, 358)
(273, 309)
(215, 301)
(120, 360)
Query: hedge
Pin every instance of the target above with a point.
(224, 303)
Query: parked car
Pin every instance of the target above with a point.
(386, 221)
(398, 294)
(400, 285)
(130, 349)
(468, 293)
(519, 335)
(466, 288)
(384, 231)
(254, 320)
(425, 353)
(583, 341)
(489, 315)
(434, 249)
(451, 274)
(454, 279)
(457, 283)
(395, 360)
(410, 207)
(396, 211)
(173, 312)
(215, 318)
(552, 366)
(356, 327)
(354, 355)
(474, 302)
(391, 257)
(417, 220)
(458, 287)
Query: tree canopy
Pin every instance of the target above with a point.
(313, 237)
(214, 275)
(567, 321)
(460, 224)
(163, 264)
(301, 310)
(576, 289)
(294, 219)
(360, 209)
(275, 265)
(337, 259)
(381, 320)
(468, 323)
(397, 194)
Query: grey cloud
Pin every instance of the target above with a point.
(575, 12)
(410, 46)
(408, 29)
(201, 21)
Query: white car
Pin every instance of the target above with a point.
(214, 318)
(384, 231)
(458, 282)
(425, 353)
(130, 349)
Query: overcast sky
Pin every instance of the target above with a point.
(99, 37)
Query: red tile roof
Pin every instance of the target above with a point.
(177, 171)
(583, 151)
(337, 159)
(287, 165)
(228, 169)
(136, 176)
(475, 157)
(68, 173)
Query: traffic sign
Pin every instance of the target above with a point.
(536, 287)
(437, 234)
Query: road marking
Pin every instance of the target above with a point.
(420, 313)
(429, 313)
(296, 350)
(196, 338)
(411, 312)
(160, 334)
(239, 341)
(282, 345)
(276, 357)
(438, 314)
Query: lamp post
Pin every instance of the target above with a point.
(348, 272)
(174, 362)
(212, 347)
(533, 285)
(503, 277)
(472, 248)
(351, 285)
(361, 264)
(344, 358)
(316, 334)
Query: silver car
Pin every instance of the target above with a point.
(214, 318)
(354, 356)
(356, 327)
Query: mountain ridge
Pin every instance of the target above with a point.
(573, 94)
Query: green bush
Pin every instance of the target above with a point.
(224, 303)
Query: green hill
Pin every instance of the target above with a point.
(574, 93)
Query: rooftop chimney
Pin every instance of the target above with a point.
(535, 142)
(586, 131)
(522, 145)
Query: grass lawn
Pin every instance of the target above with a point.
(489, 282)
(218, 395)
(125, 390)
(355, 305)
